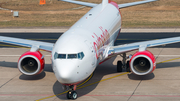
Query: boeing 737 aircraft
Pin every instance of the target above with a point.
(93, 38)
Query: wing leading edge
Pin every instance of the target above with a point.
(104, 2)
(81, 3)
(27, 43)
(135, 3)
(141, 46)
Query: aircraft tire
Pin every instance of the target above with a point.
(68, 95)
(128, 67)
(74, 95)
(119, 66)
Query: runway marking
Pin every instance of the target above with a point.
(103, 80)
(84, 86)
(67, 90)
(139, 95)
(25, 94)
(93, 84)
(8, 81)
(106, 80)
(78, 87)
(168, 60)
(168, 55)
(92, 95)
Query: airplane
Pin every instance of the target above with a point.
(88, 43)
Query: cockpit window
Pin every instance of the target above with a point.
(69, 56)
(62, 56)
(72, 56)
(59, 56)
(80, 55)
(55, 55)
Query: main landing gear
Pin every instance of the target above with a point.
(122, 64)
(71, 94)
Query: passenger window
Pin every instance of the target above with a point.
(80, 55)
(72, 56)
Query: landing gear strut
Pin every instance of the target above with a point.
(72, 94)
(122, 64)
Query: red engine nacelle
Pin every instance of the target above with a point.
(142, 63)
(31, 63)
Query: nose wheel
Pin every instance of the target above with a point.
(72, 95)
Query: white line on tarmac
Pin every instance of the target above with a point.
(168, 55)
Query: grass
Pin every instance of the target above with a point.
(162, 13)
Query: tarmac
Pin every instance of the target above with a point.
(105, 84)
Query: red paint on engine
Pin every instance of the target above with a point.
(148, 54)
(38, 55)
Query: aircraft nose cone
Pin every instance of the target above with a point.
(65, 73)
(64, 77)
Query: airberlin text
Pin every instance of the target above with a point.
(100, 40)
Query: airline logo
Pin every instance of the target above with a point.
(100, 40)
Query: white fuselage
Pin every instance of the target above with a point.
(80, 49)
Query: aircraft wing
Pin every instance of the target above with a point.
(114, 50)
(81, 3)
(120, 5)
(27, 43)
(134, 3)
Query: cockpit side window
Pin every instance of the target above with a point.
(72, 56)
(59, 56)
(80, 55)
(55, 55)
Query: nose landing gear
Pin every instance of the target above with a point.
(72, 94)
